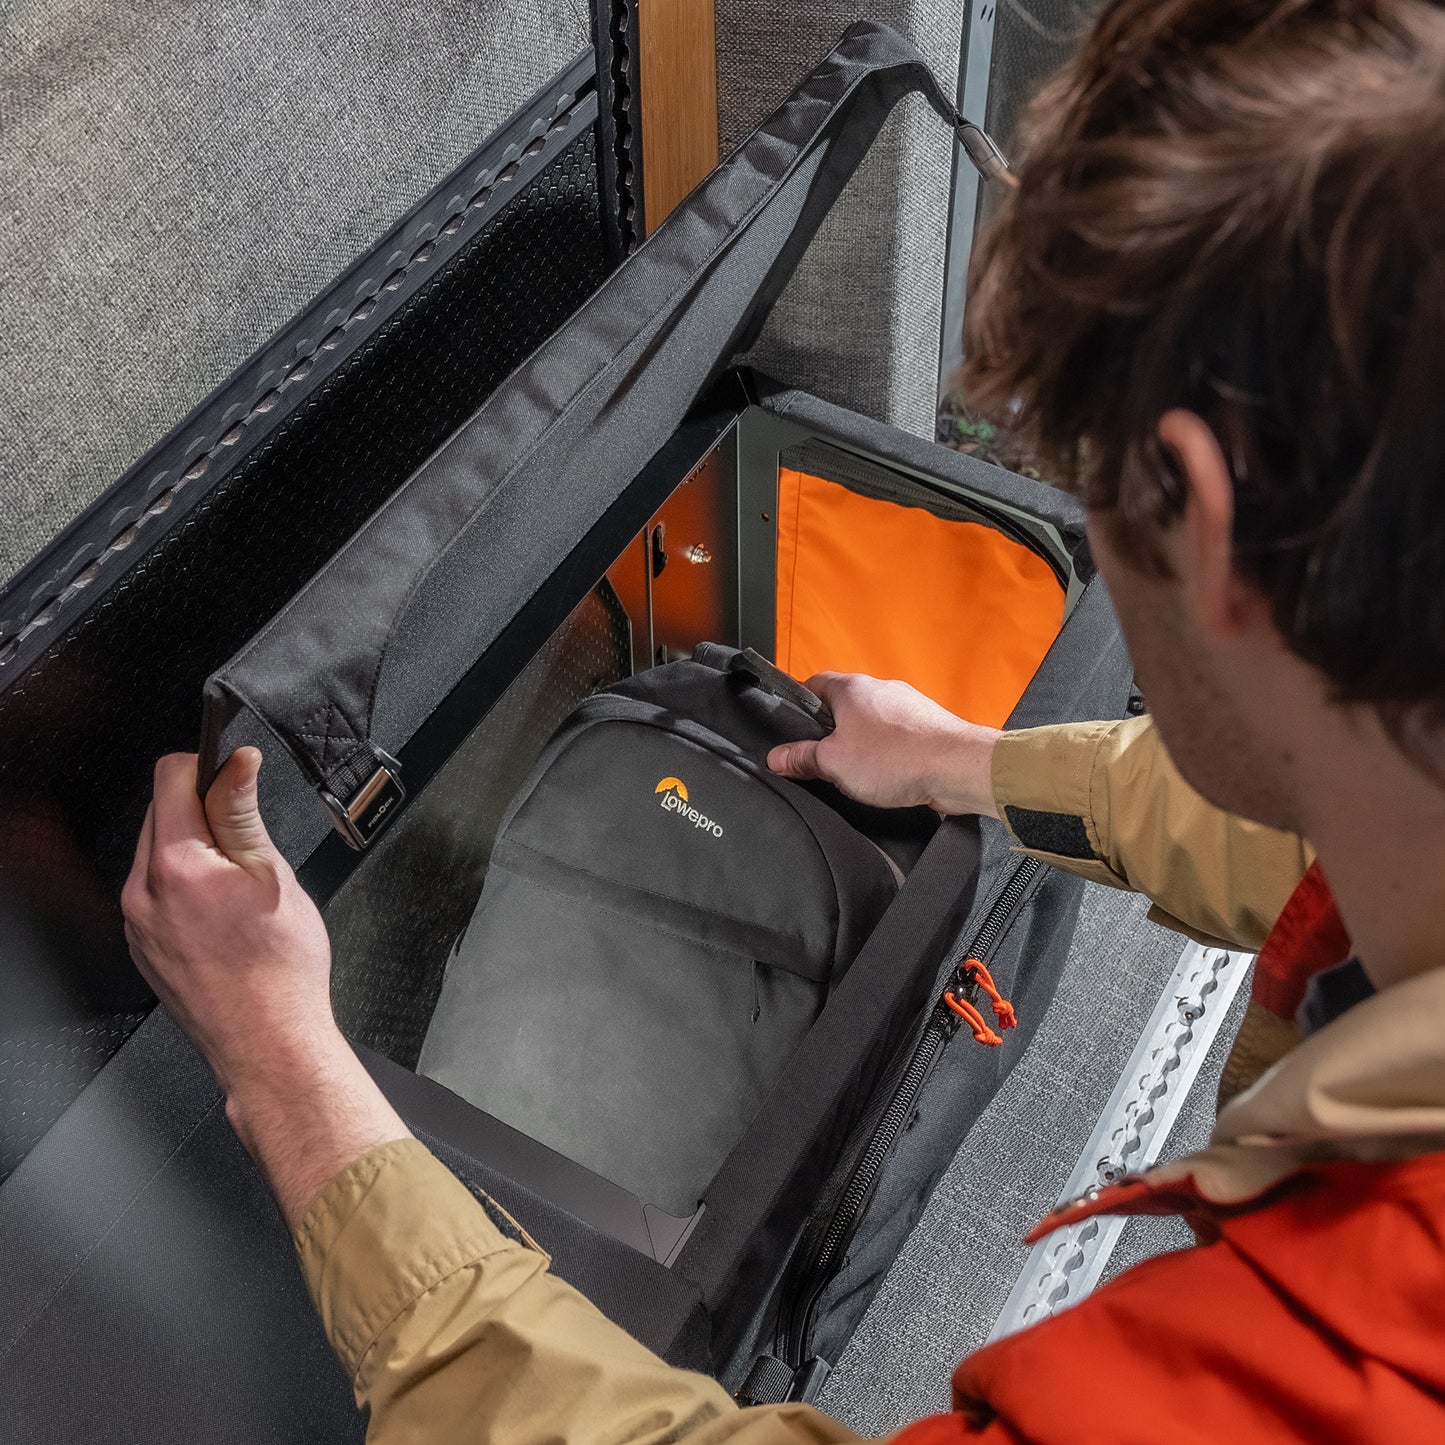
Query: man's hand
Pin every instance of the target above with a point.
(219, 926)
(235, 949)
(894, 748)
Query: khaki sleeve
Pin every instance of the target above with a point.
(1103, 800)
(446, 1318)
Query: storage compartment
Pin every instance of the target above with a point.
(621, 498)
(728, 537)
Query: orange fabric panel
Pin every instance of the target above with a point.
(961, 611)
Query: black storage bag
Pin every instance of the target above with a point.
(662, 921)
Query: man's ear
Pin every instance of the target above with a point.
(1201, 544)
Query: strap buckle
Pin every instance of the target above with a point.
(983, 151)
(371, 806)
(772, 1381)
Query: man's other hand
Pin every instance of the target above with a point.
(218, 924)
(894, 748)
(235, 949)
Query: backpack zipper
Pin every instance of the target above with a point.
(940, 1027)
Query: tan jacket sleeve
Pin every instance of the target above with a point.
(446, 1318)
(1103, 800)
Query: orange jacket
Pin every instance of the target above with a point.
(1316, 1313)
(1313, 1307)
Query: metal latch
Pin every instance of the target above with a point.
(371, 807)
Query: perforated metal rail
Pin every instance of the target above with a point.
(1062, 1269)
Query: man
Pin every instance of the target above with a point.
(1216, 305)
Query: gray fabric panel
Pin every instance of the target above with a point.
(957, 1269)
(859, 323)
(179, 180)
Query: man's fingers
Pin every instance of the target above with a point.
(132, 940)
(140, 865)
(232, 810)
(795, 760)
(826, 685)
(178, 815)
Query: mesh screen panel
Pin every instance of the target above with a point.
(394, 921)
(80, 729)
(1031, 39)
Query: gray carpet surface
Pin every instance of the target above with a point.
(860, 322)
(954, 1275)
(178, 179)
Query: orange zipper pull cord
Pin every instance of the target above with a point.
(975, 971)
(973, 1019)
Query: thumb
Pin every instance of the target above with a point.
(232, 811)
(796, 760)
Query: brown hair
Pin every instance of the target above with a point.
(1239, 207)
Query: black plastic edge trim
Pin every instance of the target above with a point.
(615, 38)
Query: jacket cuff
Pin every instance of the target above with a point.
(1043, 788)
(386, 1231)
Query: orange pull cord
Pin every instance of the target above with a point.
(975, 971)
(973, 1019)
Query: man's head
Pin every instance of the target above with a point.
(1215, 305)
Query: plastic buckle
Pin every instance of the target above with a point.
(372, 806)
(982, 150)
(772, 1381)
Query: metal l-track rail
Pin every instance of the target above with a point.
(1132, 1130)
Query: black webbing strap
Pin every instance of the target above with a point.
(757, 671)
(769, 1382)
(772, 1381)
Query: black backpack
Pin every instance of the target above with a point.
(662, 921)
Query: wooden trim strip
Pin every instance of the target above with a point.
(677, 71)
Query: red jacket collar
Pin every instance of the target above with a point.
(1308, 938)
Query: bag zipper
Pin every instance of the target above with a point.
(941, 1025)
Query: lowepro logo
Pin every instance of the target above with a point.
(675, 800)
